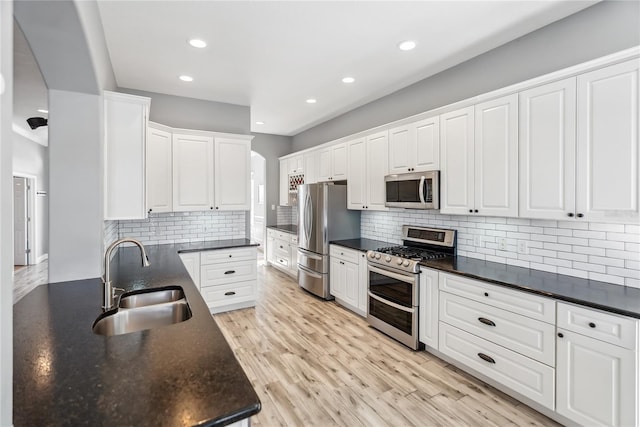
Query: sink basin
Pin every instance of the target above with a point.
(151, 297)
(147, 309)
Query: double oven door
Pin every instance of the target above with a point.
(393, 304)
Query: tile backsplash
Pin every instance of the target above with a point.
(596, 251)
(287, 215)
(181, 227)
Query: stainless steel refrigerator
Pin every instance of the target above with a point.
(322, 217)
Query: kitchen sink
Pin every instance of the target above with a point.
(151, 297)
(143, 310)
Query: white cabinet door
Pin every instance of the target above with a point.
(427, 152)
(159, 171)
(338, 278)
(325, 164)
(339, 160)
(357, 177)
(496, 157)
(351, 288)
(401, 149)
(456, 151)
(547, 119)
(125, 127)
(607, 157)
(232, 174)
(363, 284)
(310, 167)
(191, 261)
(284, 182)
(428, 327)
(271, 246)
(296, 164)
(377, 165)
(192, 173)
(596, 381)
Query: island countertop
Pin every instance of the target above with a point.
(182, 374)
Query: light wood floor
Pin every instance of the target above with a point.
(26, 278)
(314, 363)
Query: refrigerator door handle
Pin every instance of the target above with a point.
(309, 254)
(308, 217)
(310, 272)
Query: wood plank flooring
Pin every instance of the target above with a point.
(314, 363)
(26, 278)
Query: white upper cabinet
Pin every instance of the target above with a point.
(192, 172)
(415, 147)
(159, 171)
(547, 150)
(479, 150)
(368, 165)
(332, 163)
(232, 174)
(310, 167)
(496, 157)
(456, 160)
(125, 125)
(607, 154)
(296, 164)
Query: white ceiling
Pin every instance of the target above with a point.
(272, 56)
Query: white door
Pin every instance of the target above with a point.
(339, 160)
(159, 171)
(427, 145)
(20, 221)
(456, 150)
(496, 157)
(547, 150)
(595, 381)
(377, 165)
(325, 168)
(607, 161)
(356, 181)
(401, 149)
(192, 173)
(232, 174)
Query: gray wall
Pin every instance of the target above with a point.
(599, 30)
(190, 113)
(271, 147)
(33, 159)
(6, 213)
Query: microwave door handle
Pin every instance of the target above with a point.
(423, 180)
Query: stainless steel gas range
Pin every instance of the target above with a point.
(394, 280)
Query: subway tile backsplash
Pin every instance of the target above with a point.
(286, 215)
(597, 251)
(181, 227)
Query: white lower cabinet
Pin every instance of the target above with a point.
(191, 261)
(228, 278)
(282, 251)
(348, 278)
(597, 382)
(428, 316)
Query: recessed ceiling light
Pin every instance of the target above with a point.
(198, 43)
(186, 78)
(348, 80)
(311, 101)
(407, 45)
(40, 110)
(259, 123)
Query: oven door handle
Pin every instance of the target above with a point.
(421, 189)
(403, 278)
(392, 304)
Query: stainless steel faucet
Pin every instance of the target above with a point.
(108, 293)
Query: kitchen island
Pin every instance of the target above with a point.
(181, 374)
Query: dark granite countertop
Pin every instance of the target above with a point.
(605, 296)
(362, 245)
(212, 245)
(287, 228)
(182, 374)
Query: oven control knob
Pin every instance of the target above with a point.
(387, 258)
(372, 255)
(377, 256)
(406, 263)
(399, 261)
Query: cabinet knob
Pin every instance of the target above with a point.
(570, 214)
(486, 294)
(211, 207)
(580, 215)
(470, 210)
(476, 210)
(362, 206)
(341, 262)
(592, 325)
(150, 210)
(560, 335)
(217, 207)
(230, 256)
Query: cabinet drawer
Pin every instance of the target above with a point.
(611, 328)
(521, 334)
(226, 255)
(522, 303)
(216, 296)
(523, 375)
(230, 272)
(343, 253)
(271, 233)
(282, 248)
(283, 261)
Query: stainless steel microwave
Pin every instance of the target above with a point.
(419, 190)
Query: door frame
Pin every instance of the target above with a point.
(32, 225)
(264, 209)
